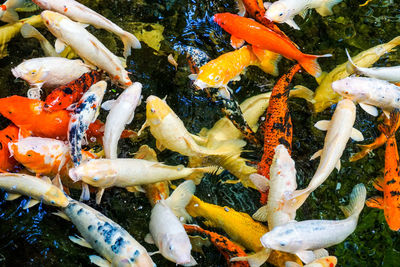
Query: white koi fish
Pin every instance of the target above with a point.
(170, 132)
(339, 130)
(8, 10)
(166, 230)
(301, 238)
(105, 236)
(85, 113)
(283, 11)
(369, 93)
(390, 74)
(39, 189)
(49, 72)
(121, 113)
(88, 47)
(83, 14)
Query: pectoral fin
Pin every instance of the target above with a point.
(260, 181)
(306, 256)
(160, 146)
(144, 126)
(356, 135)
(11, 196)
(107, 105)
(236, 42)
(369, 109)
(326, 8)
(292, 24)
(149, 239)
(261, 214)
(99, 195)
(304, 13)
(316, 154)
(337, 166)
(375, 202)
(62, 215)
(99, 261)
(322, 125)
(80, 241)
(378, 183)
(31, 203)
(256, 259)
(59, 46)
(321, 253)
(10, 16)
(224, 92)
(85, 195)
(193, 76)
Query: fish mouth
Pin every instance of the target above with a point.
(200, 84)
(16, 72)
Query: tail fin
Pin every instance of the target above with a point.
(198, 173)
(351, 67)
(178, 200)
(310, 64)
(28, 31)
(390, 130)
(357, 200)
(228, 147)
(130, 41)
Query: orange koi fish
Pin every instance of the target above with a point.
(264, 38)
(63, 96)
(277, 128)
(390, 183)
(226, 247)
(7, 135)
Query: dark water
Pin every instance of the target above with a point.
(37, 238)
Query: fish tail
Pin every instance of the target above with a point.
(179, 199)
(310, 64)
(365, 149)
(230, 147)
(198, 173)
(130, 41)
(390, 130)
(357, 200)
(28, 31)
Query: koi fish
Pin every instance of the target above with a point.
(105, 236)
(7, 135)
(369, 92)
(36, 188)
(87, 46)
(170, 132)
(65, 95)
(389, 184)
(390, 74)
(339, 130)
(283, 11)
(226, 247)
(9, 31)
(8, 10)
(263, 38)
(219, 72)
(81, 13)
(166, 230)
(277, 128)
(301, 238)
(121, 113)
(50, 72)
(235, 224)
(85, 113)
(324, 94)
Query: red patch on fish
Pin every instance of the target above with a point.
(3, 7)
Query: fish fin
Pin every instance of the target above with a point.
(45, 179)
(292, 24)
(178, 200)
(198, 243)
(201, 140)
(316, 154)
(304, 13)
(267, 5)
(310, 64)
(149, 239)
(241, 7)
(256, 259)
(321, 253)
(302, 92)
(294, 200)
(261, 214)
(80, 241)
(62, 215)
(192, 262)
(57, 182)
(228, 147)
(260, 181)
(83, 25)
(292, 264)
(322, 77)
(375, 202)
(356, 203)
(107, 105)
(236, 78)
(369, 109)
(236, 42)
(356, 135)
(130, 41)
(351, 67)
(123, 62)
(390, 130)
(224, 92)
(365, 149)
(210, 223)
(306, 256)
(322, 125)
(59, 46)
(11, 196)
(99, 261)
(28, 31)
(32, 202)
(193, 76)
(85, 195)
(160, 146)
(337, 166)
(378, 183)
(144, 126)
(387, 113)
(99, 195)
(326, 8)
(10, 16)
(268, 60)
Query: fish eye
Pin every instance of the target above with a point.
(346, 92)
(217, 78)
(280, 14)
(152, 110)
(282, 244)
(171, 248)
(33, 72)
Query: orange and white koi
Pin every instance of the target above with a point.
(8, 135)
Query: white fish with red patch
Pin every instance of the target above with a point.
(87, 46)
(83, 14)
(8, 10)
(166, 230)
(85, 113)
(122, 111)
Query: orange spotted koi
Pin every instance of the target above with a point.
(390, 183)
(64, 96)
(226, 247)
(277, 128)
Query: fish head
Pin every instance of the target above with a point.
(278, 12)
(43, 4)
(156, 110)
(282, 238)
(52, 20)
(226, 21)
(18, 108)
(31, 73)
(351, 88)
(94, 172)
(54, 196)
(210, 75)
(176, 247)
